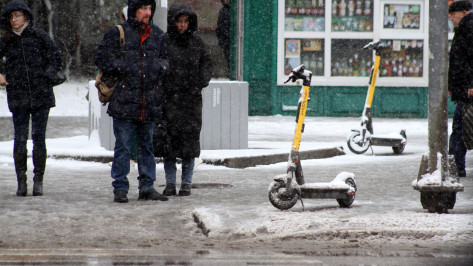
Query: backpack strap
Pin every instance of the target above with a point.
(122, 39)
(122, 35)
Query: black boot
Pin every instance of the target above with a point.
(20, 157)
(151, 194)
(39, 162)
(185, 190)
(170, 190)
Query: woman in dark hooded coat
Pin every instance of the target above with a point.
(32, 64)
(190, 70)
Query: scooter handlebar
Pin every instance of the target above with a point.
(291, 78)
(371, 45)
(298, 73)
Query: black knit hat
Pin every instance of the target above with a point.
(459, 6)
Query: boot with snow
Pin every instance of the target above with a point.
(20, 157)
(39, 162)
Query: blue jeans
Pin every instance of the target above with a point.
(124, 130)
(21, 124)
(456, 145)
(170, 170)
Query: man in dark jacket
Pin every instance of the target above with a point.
(32, 61)
(460, 75)
(223, 29)
(134, 104)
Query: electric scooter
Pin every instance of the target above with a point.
(287, 188)
(360, 140)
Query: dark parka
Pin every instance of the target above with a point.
(460, 72)
(31, 61)
(190, 70)
(139, 67)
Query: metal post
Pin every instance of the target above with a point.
(239, 46)
(437, 196)
(438, 71)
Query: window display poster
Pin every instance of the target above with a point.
(304, 24)
(293, 48)
(397, 45)
(312, 45)
(399, 16)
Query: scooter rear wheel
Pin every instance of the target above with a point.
(345, 203)
(279, 199)
(355, 143)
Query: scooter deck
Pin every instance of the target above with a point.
(387, 141)
(324, 191)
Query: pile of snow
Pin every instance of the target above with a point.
(332, 223)
(435, 180)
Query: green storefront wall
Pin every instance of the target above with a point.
(267, 98)
(349, 101)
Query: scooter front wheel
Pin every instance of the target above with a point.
(279, 197)
(355, 143)
(345, 203)
(400, 149)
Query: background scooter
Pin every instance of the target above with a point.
(359, 140)
(287, 188)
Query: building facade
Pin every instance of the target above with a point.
(326, 36)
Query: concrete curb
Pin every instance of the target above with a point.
(236, 162)
(243, 162)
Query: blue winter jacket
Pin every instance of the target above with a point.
(139, 67)
(31, 61)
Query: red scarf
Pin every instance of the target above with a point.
(145, 33)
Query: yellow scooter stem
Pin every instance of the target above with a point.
(301, 112)
(374, 75)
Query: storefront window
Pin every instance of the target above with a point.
(401, 16)
(352, 15)
(348, 60)
(304, 15)
(402, 58)
(327, 35)
(304, 51)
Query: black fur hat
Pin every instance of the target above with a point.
(459, 6)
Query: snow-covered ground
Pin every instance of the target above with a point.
(386, 211)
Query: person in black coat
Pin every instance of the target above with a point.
(134, 105)
(223, 29)
(460, 75)
(32, 61)
(190, 70)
